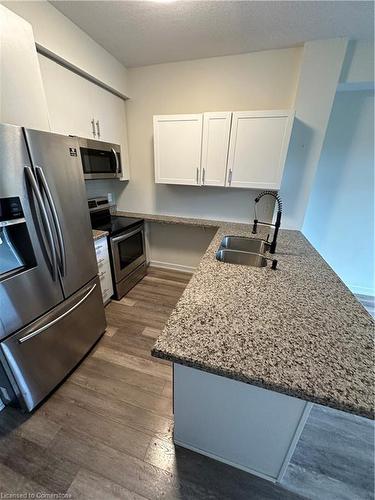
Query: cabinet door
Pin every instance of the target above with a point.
(79, 107)
(215, 144)
(110, 123)
(258, 146)
(22, 98)
(177, 149)
(69, 99)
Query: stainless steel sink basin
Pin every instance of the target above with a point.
(244, 244)
(243, 258)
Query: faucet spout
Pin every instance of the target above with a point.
(272, 246)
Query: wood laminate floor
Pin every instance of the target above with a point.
(107, 431)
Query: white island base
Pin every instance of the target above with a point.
(242, 425)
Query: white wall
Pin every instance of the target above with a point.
(177, 246)
(261, 80)
(55, 32)
(358, 67)
(320, 71)
(339, 220)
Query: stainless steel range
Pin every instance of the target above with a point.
(51, 310)
(126, 244)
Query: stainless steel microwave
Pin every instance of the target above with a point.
(100, 160)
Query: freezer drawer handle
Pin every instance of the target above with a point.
(51, 323)
(55, 218)
(46, 223)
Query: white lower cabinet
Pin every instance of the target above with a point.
(104, 268)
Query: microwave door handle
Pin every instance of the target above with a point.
(56, 221)
(116, 159)
(46, 223)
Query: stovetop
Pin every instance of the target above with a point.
(114, 224)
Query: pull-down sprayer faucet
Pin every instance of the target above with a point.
(272, 245)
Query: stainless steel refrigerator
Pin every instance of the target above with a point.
(51, 310)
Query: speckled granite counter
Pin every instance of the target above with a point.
(96, 234)
(172, 219)
(297, 330)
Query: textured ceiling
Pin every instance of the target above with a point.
(139, 33)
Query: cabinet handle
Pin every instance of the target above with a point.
(93, 127)
(230, 177)
(203, 175)
(98, 128)
(197, 175)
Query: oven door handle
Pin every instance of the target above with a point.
(123, 237)
(117, 162)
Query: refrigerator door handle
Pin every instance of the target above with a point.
(45, 220)
(59, 318)
(52, 206)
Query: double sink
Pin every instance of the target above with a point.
(244, 251)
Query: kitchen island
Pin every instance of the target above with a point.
(253, 348)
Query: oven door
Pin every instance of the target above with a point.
(128, 252)
(101, 163)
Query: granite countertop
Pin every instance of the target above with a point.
(172, 219)
(297, 330)
(96, 234)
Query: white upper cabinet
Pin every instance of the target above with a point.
(22, 98)
(79, 107)
(69, 99)
(245, 149)
(177, 149)
(258, 146)
(110, 122)
(215, 142)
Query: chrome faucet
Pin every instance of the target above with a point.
(272, 245)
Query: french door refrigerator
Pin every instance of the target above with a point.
(51, 309)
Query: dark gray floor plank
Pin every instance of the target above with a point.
(37, 464)
(122, 374)
(334, 457)
(38, 429)
(158, 404)
(115, 434)
(148, 366)
(129, 472)
(93, 486)
(113, 409)
(12, 483)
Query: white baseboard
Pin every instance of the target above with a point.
(172, 266)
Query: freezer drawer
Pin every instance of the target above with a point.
(37, 358)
